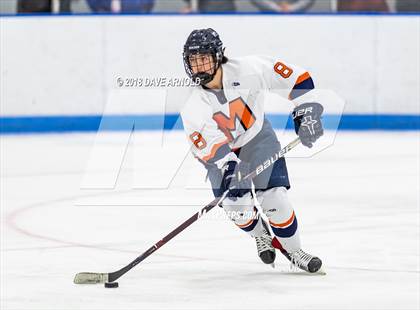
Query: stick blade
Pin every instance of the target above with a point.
(90, 278)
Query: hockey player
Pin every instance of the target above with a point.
(228, 132)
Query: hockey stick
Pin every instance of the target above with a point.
(92, 277)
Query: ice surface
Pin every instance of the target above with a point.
(357, 203)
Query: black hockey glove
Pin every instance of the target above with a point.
(308, 126)
(233, 174)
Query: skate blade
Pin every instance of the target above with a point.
(300, 272)
(321, 272)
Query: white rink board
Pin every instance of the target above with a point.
(370, 61)
(357, 204)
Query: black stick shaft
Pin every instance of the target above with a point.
(117, 274)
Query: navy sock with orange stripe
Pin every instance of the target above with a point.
(282, 218)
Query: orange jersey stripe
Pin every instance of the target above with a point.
(302, 78)
(214, 150)
(287, 223)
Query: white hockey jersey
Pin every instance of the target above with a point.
(219, 121)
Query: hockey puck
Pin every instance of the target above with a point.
(111, 284)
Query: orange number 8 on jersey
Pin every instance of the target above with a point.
(198, 140)
(283, 70)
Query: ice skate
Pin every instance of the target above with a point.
(266, 251)
(305, 261)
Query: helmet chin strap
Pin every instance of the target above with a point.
(203, 78)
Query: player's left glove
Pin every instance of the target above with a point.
(308, 126)
(233, 176)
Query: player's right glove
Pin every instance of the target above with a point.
(307, 119)
(233, 176)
